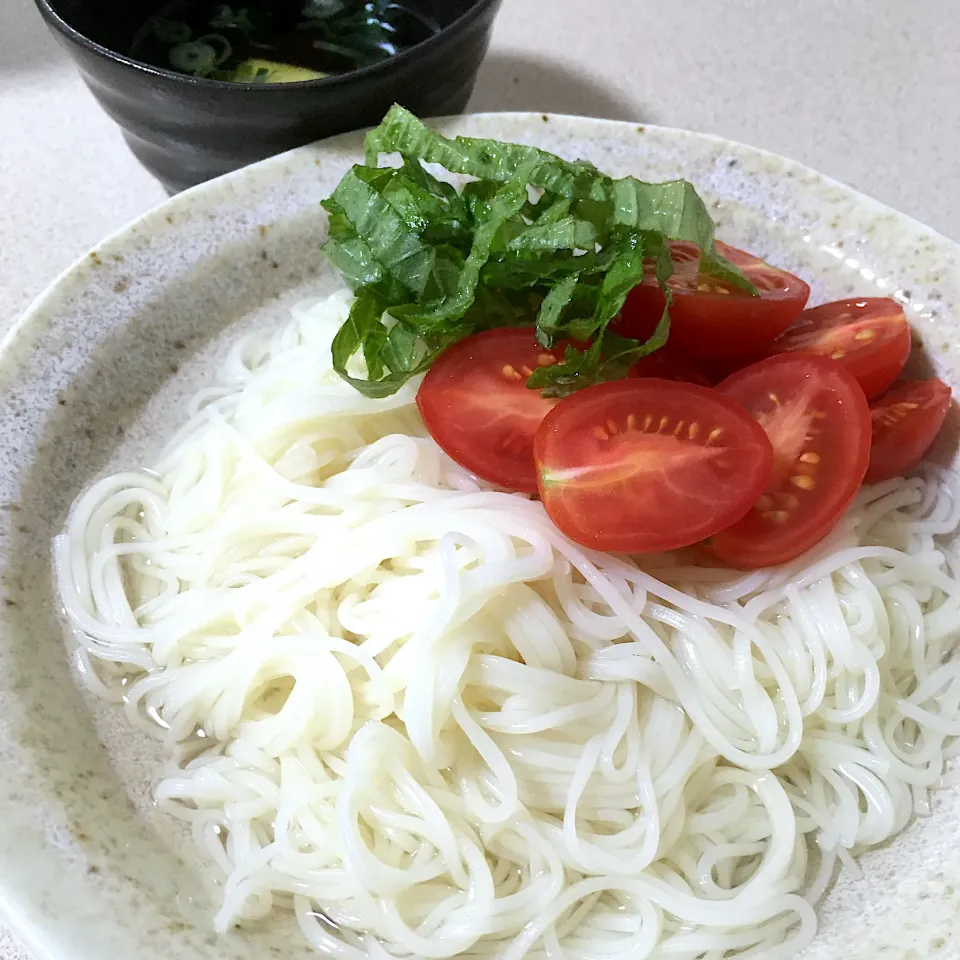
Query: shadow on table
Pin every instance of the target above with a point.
(509, 82)
(25, 42)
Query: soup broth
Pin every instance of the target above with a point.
(278, 41)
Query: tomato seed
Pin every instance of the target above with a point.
(810, 457)
(896, 413)
(803, 482)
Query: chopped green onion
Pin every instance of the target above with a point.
(194, 57)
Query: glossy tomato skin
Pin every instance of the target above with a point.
(870, 336)
(643, 465)
(667, 364)
(818, 422)
(905, 422)
(476, 405)
(713, 320)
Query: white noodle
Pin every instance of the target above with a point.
(404, 706)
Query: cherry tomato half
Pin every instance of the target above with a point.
(712, 319)
(644, 465)
(906, 421)
(870, 336)
(477, 406)
(818, 422)
(667, 364)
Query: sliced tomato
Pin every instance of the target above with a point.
(477, 406)
(646, 465)
(712, 319)
(818, 422)
(870, 336)
(667, 364)
(906, 421)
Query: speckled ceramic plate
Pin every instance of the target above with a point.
(94, 376)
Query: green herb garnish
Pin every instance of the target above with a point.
(531, 238)
(226, 18)
(361, 32)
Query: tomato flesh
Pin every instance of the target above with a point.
(667, 364)
(642, 465)
(475, 402)
(905, 422)
(709, 318)
(818, 422)
(870, 336)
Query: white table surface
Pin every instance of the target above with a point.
(863, 90)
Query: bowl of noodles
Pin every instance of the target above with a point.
(281, 677)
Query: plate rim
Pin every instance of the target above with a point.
(209, 189)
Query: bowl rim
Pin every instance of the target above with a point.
(477, 10)
(39, 932)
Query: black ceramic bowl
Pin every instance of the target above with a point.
(185, 130)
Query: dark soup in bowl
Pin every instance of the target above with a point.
(277, 41)
(201, 88)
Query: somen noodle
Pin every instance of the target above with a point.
(405, 706)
